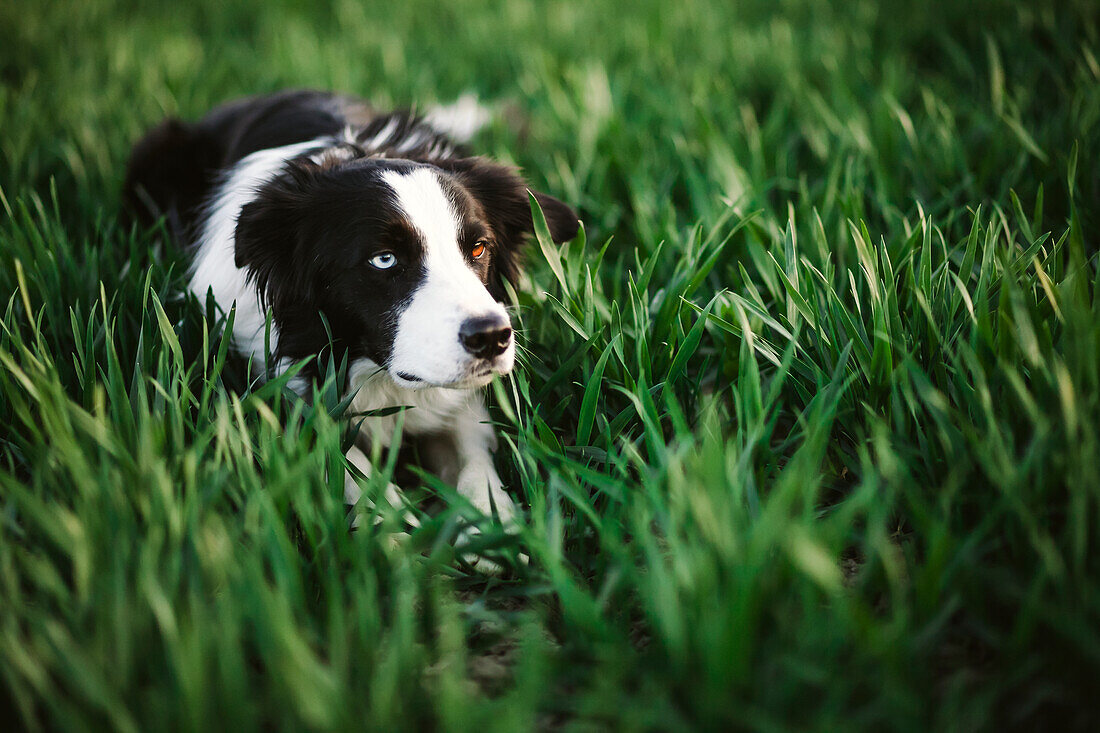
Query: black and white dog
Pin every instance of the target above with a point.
(373, 228)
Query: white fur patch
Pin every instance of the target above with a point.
(215, 268)
(426, 344)
(382, 136)
(461, 120)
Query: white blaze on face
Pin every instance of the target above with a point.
(426, 344)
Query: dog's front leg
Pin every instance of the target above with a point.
(477, 479)
(352, 492)
(478, 482)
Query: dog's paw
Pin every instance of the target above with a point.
(355, 518)
(357, 506)
(483, 490)
(480, 563)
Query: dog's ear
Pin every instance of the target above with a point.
(502, 194)
(560, 218)
(270, 236)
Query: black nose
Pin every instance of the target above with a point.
(486, 336)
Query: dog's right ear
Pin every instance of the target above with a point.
(269, 235)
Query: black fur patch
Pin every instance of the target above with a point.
(170, 171)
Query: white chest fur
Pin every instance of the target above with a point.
(457, 417)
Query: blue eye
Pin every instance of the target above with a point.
(383, 260)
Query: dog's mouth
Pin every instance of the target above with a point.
(478, 376)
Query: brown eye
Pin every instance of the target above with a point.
(478, 250)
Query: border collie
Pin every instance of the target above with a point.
(374, 229)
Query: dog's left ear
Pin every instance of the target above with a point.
(560, 218)
(269, 237)
(502, 194)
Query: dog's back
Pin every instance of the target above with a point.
(174, 166)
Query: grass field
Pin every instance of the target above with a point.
(808, 429)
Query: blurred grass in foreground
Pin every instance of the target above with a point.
(808, 427)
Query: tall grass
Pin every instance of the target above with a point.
(807, 420)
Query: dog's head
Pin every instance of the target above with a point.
(406, 261)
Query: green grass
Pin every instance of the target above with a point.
(808, 429)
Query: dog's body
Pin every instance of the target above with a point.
(367, 231)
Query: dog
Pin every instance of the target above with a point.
(370, 232)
